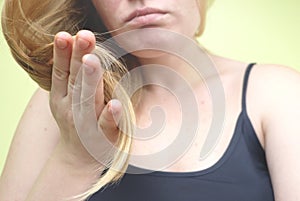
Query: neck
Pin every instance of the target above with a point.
(167, 70)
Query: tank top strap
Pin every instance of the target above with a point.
(245, 84)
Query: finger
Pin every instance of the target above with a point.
(92, 84)
(84, 43)
(110, 118)
(61, 61)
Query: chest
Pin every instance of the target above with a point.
(171, 137)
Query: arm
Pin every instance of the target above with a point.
(67, 169)
(71, 170)
(280, 89)
(37, 130)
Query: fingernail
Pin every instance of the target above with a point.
(61, 43)
(90, 63)
(83, 44)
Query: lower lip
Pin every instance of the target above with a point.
(146, 20)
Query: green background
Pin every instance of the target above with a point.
(252, 31)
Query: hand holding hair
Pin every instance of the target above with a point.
(70, 57)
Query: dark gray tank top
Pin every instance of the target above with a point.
(240, 175)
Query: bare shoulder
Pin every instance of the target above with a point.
(276, 75)
(275, 97)
(38, 110)
(276, 87)
(40, 97)
(274, 90)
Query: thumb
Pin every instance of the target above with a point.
(110, 118)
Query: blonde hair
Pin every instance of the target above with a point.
(29, 31)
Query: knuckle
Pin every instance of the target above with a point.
(71, 87)
(72, 80)
(75, 88)
(59, 73)
(66, 118)
(69, 117)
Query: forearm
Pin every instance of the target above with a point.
(63, 177)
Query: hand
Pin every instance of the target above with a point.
(76, 92)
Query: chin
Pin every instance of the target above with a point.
(146, 42)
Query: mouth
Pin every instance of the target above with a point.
(144, 16)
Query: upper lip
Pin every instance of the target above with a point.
(143, 11)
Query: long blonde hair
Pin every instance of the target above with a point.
(29, 31)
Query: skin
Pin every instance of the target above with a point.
(175, 19)
(274, 115)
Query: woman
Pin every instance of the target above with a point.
(252, 160)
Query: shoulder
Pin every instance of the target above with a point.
(37, 114)
(34, 140)
(276, 93)
(39, 102)
(273, 96)
(40, 95)
(273, 106)
(276, 75)
(276, 87)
